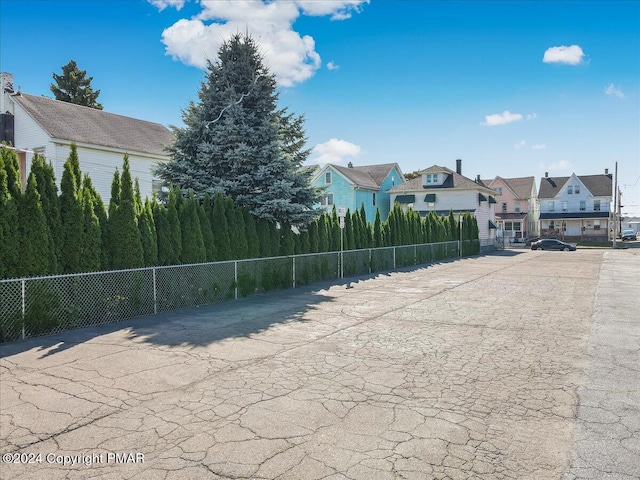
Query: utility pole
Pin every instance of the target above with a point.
(615, 204)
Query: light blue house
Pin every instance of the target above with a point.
(351, 187)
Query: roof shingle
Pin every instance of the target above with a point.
(67, 121)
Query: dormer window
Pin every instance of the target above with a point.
(431, 178)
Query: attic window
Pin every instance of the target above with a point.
(327, 177)
(576, 189)
(570, 190)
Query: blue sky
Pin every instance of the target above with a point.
(512, 88)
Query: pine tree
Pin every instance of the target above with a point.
(9, 225)
(73, 86)
(264, 242)
(37, 255)
(205, 226)
(148, 235)
(163, 238)
(349, 240)
(253, 242)
(238, 143)
(377, 231)
(72, 230)
(313, 237)
(274, 238)
(193, 250)
(237, 233)
(333, 230)
(100, 212)
(12, 170)
(125, 246)
(287, 241)
(174, 252)
(90, 259)
(220, 228)
(46, 185)
(323, 234)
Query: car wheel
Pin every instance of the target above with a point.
(566, 249)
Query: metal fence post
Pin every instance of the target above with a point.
(23, 308)
(235, 277)
(415, 254)
(369, 260)
(155, 294)
(394, 257)
(294, 271)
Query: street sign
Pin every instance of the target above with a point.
(341, 222)
(342, 212)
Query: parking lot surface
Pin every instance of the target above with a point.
(520, 364)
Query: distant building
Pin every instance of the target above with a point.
(517, 211)
(354, 186)
(34, 124)
(576, 208)
(441, 190)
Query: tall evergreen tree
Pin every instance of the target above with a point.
(253, 245)
(205, 226)
(148, 235)
(237, 234)
(125, 247)
(220, 228)
(46, 185)
(9, 226)
(174, 253)
(287, 241)
(313, 237)
(237, 142)
(90, 259)
(37, 255)
(72, 229)
(377, 231)
(100, 212)
(74, 86)
(12, 170)
(193, 250)
(163, 237)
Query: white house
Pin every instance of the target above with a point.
(35, 124)
(576, 207)
(441, 190)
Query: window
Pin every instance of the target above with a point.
(596, 224)
(508, 226)
(435, 178)
(516, 207)
(429, 177)
(583, 205)
(552, 226)
(498, 190)
(504, 207)
(328, 200)
(565, 206)
(551, 207)
(327, 177)
(570, 190)
(596, 205)
(516, 226)
(576, 189)
(374, 199)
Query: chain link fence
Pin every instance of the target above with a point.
(43, 305)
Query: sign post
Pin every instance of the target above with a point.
(342, 211)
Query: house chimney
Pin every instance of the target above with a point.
(606, 171)
(459, 167)
(350, 165)
(546, 174)
(478, 178)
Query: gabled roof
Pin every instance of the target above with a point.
(520, 186)
(75, 123)
(598, 185)
(364, 176)
(453, 180)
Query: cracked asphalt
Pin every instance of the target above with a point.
(520, 364)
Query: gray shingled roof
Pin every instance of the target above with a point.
(67, 121)
(521, 186)
(366, 176)
(598, 185)
(454, 180)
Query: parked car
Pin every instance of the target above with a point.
(628, 235)
(552, 244)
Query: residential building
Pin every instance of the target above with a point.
(576, 208)
(354, 186)
(517, 211)
(441, 190)
(35, 124)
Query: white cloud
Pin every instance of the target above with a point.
(531, 116)
(334, 151)
(338, 9)
(500, 118)
(561, 165)
(162, 4)
(520, 144)
(613, 90)
(539, 146)
(572, 55)
(290, 56)
(332, 66)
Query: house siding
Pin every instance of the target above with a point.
(383, 200)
